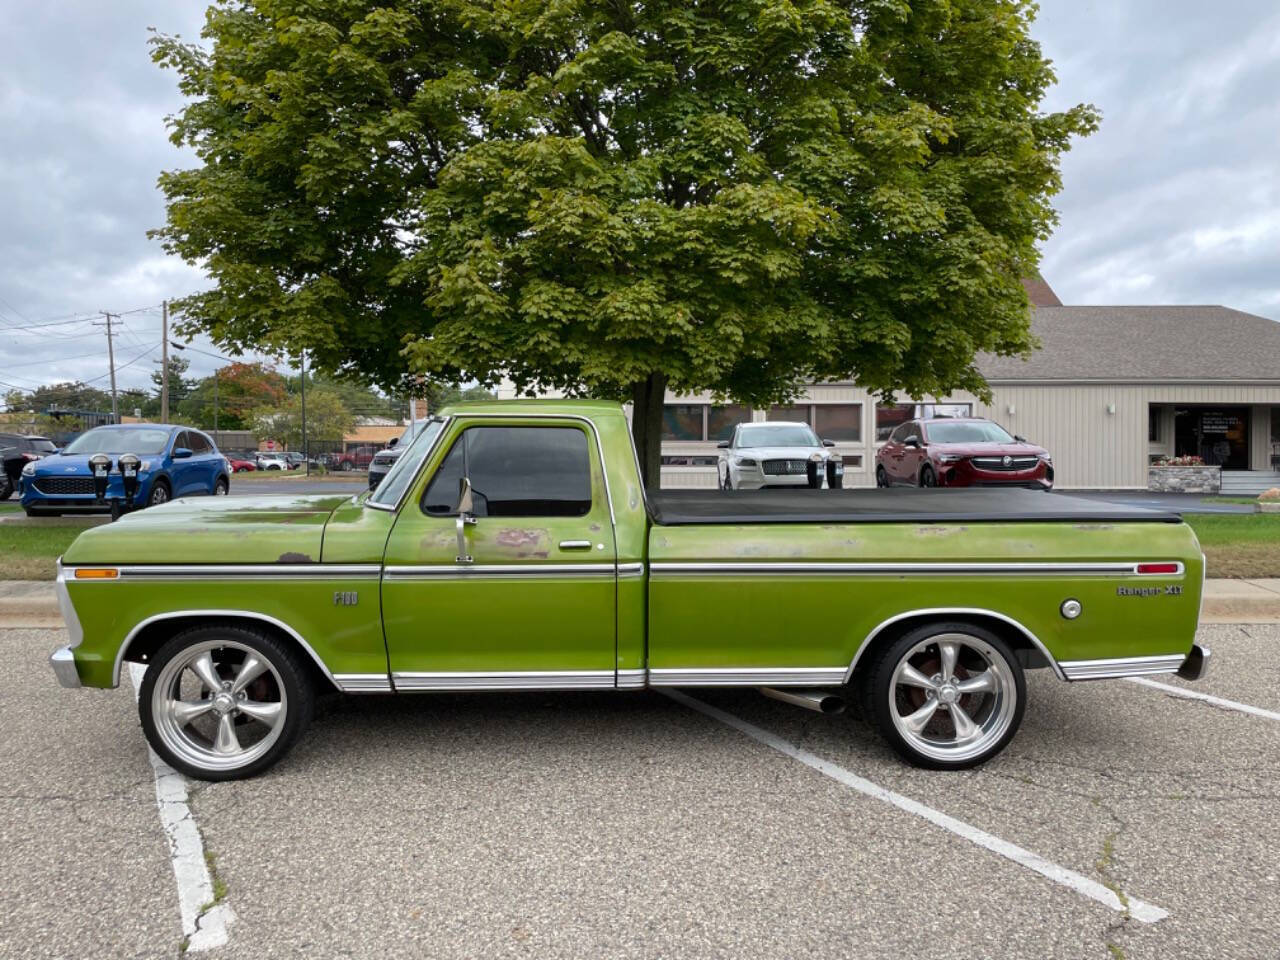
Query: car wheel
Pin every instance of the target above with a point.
(726, 482)
(32, 512)
(882, 478)
(946, 696)
(346, 466)
(6, 487)
(224, 702)
(928, 478)
(221, 487)
(159, 494)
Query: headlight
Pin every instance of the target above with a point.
(950, 458)
(29, 470)
(1046, 458)
(144, 465)
(745, 462)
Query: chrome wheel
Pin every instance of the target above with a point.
(953, 697)
(219, 705)
(159, 494)
(220, 488)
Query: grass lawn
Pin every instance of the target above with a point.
(1239, 544)
(1251, 501)
(29, 550)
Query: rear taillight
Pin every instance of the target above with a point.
(1159, 568)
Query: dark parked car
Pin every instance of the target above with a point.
(961, 452)
(383, 459)
(171, 462)
(17, 451)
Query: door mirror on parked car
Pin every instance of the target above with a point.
(723, 444)
(393, 442)
(465, 505)
(828, 443)
(912, 441)
(1020, 438)
(181, 453)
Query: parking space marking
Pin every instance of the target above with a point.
(1186, 694)
(1138, 909)
(204, 923)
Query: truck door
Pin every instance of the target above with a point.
(519, 592)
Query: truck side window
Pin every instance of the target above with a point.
(515, 472)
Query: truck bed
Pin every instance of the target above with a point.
(900, 505)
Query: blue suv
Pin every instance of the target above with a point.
(173, 462)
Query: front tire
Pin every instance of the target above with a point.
(224, 702)
(882, 478)
(928, 478)
(946, 696)
(159, 493)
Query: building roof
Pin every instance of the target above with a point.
(1039, 292)
(1144, 343)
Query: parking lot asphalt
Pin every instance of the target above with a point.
(629, 825)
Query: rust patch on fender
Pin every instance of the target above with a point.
(295, 558)
(515, 537)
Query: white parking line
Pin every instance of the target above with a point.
(203, 928)
(1195, 695)
(1138, 909)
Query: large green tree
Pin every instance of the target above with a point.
(617, 198)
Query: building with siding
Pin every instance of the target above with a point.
(1110, 391)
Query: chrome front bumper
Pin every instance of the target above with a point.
(1197, 663)
(63, 662)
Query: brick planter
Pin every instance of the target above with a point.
(1201, 479)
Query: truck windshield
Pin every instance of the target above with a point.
(140, 440)
(406, 466)
(778, 435)
(968, 431)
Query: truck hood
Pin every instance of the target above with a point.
(270, 529)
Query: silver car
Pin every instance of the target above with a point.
(778, 454)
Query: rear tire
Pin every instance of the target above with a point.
(212, 714)
(946, 696)
(222, 487)
(882, 478)
(6, 487)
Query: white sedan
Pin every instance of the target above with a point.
(777, 454)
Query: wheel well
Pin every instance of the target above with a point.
(1025, 647)
(154, 635)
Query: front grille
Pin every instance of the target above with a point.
(62, 486)
(784, 468)
(384, 461)
(997, 463)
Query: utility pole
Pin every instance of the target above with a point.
(111, 359)
(306, 461)
(215, 399)
(164, 361)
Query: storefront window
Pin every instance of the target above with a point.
(682, 421)
(721, 421)
(838, 421)
(794, 413)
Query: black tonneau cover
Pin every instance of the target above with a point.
(899, 505)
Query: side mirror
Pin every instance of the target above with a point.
(1020, 438)
(181, 453)
(828, 443)
(912, 441)
(723, 445)
(394, 441)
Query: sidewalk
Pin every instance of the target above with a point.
(32, 603)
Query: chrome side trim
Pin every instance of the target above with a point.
(630, 571)
(746, 676)
(234, 614)
(632, 679)
(474, 571)
(241, 571)
(363, 682)
(1122, 667)
(74, 630)
(521, 680)
(664, 570)
(953, 611)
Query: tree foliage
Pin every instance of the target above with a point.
(327, 419)
(239, 391)
(616, 198)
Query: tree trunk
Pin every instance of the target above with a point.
(646, 426)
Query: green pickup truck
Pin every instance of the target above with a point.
(513, 547)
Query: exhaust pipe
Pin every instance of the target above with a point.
(819, 701)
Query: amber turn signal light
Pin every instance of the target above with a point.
(97, 573)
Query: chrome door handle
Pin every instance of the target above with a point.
(575, 544)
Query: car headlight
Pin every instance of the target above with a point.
(144, 466)
(1046, 458)
(30, 469)
(744, 462)
(950, 458)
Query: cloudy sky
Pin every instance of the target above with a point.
(1175, 200)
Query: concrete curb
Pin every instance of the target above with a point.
(32, 603)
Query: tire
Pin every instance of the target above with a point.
(896, 704)
(6, 487)
(882, 478)
(221, 487)
(223, 741)
(32, 512)
(727, 483)
(159, 493)
(927, 477)
(346, 466)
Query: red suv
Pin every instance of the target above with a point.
(955, 452)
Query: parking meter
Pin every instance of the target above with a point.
(814, 471)
(100, 466)
(835, 473)
(129, 476)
